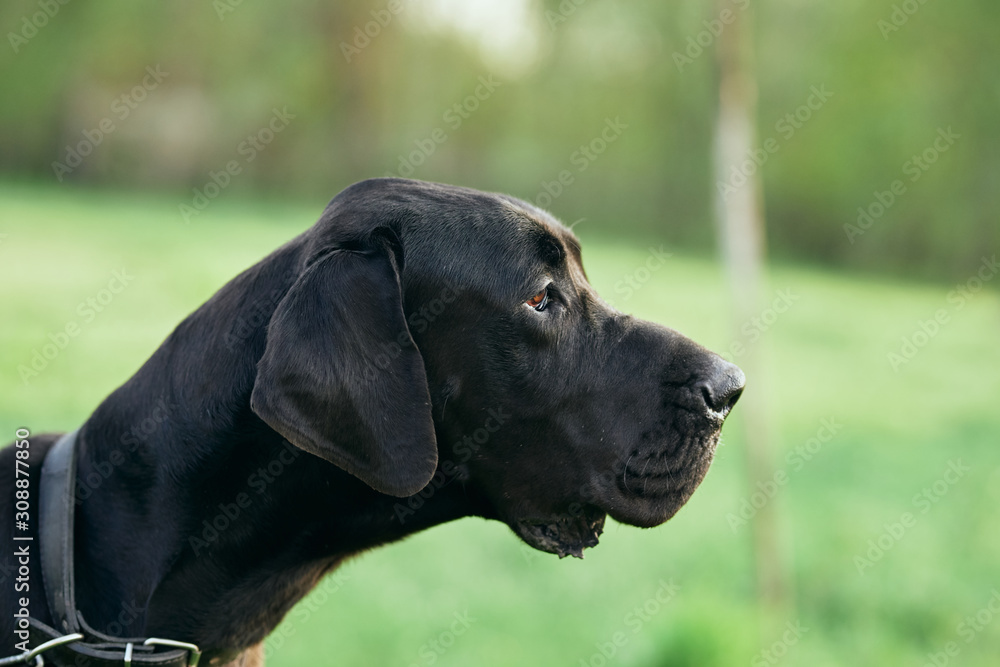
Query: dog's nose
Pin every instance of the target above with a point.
(721, 387)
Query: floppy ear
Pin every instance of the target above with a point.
(341, 376)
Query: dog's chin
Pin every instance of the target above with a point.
(651, 499)
(645, 494)
(644, 513)
(562, 534)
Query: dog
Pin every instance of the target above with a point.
(419, 337)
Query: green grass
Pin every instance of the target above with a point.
(825, 358)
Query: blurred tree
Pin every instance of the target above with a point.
(740, 216)
(574, 65)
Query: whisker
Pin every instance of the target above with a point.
(625, 472)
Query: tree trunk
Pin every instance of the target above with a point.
(739, 213)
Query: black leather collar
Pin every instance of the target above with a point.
(89, 647)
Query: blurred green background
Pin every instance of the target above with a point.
(215, 131)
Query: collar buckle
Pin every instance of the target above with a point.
(192, 649)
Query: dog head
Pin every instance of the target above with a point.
(434, 328)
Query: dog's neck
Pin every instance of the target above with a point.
(197, 522)
(217, 553)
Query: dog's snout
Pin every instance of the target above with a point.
(721, 387)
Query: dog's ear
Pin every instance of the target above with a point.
(341, 376)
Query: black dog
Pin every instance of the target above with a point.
(419, 336)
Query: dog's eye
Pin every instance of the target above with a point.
(539, 301)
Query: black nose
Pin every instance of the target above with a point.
(721, 387)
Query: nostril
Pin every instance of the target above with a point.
(731, 401)
(719, 402)
(723, 389)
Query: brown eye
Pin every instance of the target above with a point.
(539, 301)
